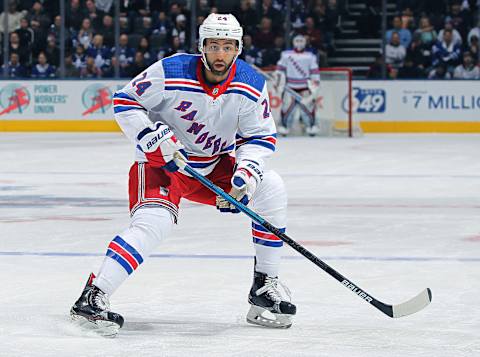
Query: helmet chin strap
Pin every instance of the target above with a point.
(204, 60)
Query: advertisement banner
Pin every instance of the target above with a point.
(417, 100)
(379, 106)
(57, 100)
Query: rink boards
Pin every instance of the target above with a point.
(379, 106)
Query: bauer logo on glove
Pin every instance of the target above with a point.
(160, 145)
(158, 137)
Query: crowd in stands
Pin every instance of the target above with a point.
(434, 39)
(150, 30)
(437, 39)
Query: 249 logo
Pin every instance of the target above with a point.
(369, 100)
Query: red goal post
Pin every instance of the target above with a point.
(333, 103)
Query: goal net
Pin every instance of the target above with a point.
(333, 103)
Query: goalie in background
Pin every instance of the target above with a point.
(299, 75)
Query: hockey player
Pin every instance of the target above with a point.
(211, 111)
(298, 71)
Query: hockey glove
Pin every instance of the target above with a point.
(159, 145)
(245, 179)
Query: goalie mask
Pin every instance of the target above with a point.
(299, 42)
(221, 26)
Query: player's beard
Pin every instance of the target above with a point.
(219, 73)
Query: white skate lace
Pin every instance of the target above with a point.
(100, 300)
(271, 289)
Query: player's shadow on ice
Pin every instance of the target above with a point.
(171, 327)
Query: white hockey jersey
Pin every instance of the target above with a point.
(298, 67)
(209, 120)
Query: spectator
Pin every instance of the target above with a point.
(246, 15)
(200, 20)
(75, 15)
(146, 28)
(95, 15)
(180, 30)
(420, 53)
(408, 20)
(14, 17)
(42, 69)
(99, 52)
(461, 19)
(144, 47)
(25, 33)
(175, 10)
(267, 10)
(40, 38)
(139, 65)
(37, 14)
(175, 48)
(214, 10)
(313, 33)
(163, 25)
(457, 38)
(125, 53)
(22, 51)
(272, 55)
(148, 7)
(124, 25)
(131, 7)
(54, 31)
(203, 8)
(394, 52)
(109, 71)
(264, 36)
(52, 52)
(468, 69)
(404, 34)
(475, 31)
(15, 68)
(375, 70)
(250, 53)
(104, 5)
(85, 35)
(71, 71)
(474, 48)
(90, 70)
(439, 72)
(79, 57)
(108, 31)
(297, 16)
(426, 31)
(409, 70)
(446, 52)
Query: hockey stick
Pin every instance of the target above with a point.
(409, 307)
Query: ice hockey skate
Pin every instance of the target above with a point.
(312, 130)
(268, 308)
(283, 131)
(92, 311)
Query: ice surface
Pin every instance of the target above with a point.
(395, 214)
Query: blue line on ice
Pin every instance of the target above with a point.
(221, 256)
